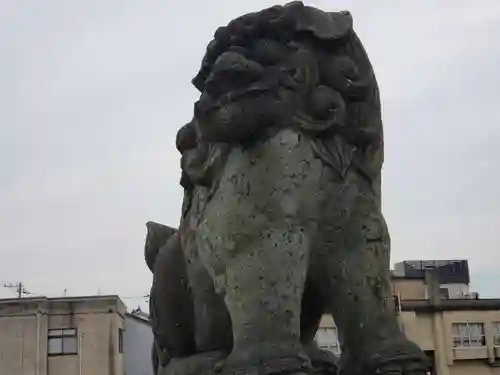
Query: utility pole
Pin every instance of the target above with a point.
(18, 287)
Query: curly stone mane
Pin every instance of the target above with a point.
(296, 66)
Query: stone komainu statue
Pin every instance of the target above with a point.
(281, 220)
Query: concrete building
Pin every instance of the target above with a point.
(460, 333)
(71, 336)
(327, 335)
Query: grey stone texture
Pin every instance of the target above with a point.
(281, 219)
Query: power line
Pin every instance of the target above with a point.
(18, 287)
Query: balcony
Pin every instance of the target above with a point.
(470, 353)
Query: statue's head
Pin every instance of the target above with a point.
(286, 64)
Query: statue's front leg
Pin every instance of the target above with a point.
(360, 292)
(255, 244)
(263, 286)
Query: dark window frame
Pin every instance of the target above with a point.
(496, 334)
(121, 332)
(67, 333)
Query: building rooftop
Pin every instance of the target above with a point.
(395, 276)
(80, 304)
(138, 314)
(55, 299)
(453, 271)
(451, 305)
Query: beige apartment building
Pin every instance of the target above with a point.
(62, 336)
(459, 332)
(461, 336)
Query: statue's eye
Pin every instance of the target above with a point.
(324, 102)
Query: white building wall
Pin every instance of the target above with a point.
(327, 335)
(137, 341)
(457, 290)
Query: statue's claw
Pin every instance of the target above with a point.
(197, 364)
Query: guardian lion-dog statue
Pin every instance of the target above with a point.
(281, 220)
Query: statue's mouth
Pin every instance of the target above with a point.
(208, 105)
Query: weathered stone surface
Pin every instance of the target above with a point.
(281, 219)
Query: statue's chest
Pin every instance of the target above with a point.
(276, 178)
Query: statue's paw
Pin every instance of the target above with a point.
(201, 363)
(398, 357)
(403, 369)
(267, 365)
(402, 372)
(324, 362)
(325, 368)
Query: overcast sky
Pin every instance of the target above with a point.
(93, 91)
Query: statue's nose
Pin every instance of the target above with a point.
(203, 105)
(232, 70)
(236, 62)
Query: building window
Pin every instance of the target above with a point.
(327, 338)
(496, 334)
(120, 340)
(467, 335)
(62, 341)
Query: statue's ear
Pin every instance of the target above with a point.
(157, 235)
